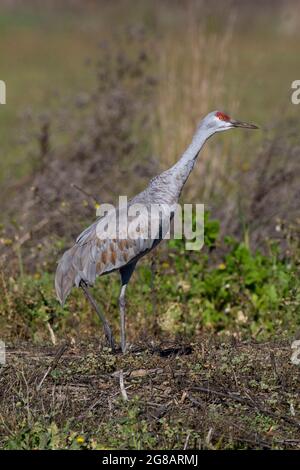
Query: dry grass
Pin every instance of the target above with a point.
(193, 71)
(208, 395)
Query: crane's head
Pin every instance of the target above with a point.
(217, 121)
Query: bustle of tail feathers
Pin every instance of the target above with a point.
(65, 275)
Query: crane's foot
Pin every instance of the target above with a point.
(109, 337)
(124, 347)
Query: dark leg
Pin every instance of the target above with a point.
(107, 330)
(122, 305)
(126, 273)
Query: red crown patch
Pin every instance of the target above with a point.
(222, 116)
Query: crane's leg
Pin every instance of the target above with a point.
(126, 273)
(122, 305)
(107, 330)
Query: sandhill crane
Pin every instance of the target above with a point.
(93, 256)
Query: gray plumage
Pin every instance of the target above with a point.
(92, 256)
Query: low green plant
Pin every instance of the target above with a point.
(226, 287)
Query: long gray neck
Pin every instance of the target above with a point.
(166, 188)
(182, 169)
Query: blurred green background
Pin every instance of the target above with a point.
(253, 48)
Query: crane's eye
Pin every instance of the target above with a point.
(222, 116)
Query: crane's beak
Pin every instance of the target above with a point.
(245, 125)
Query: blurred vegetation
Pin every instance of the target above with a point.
(101, 96)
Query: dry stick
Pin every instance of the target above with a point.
(83, 191)
(52, 334)
(256, 440)
(53, 364)
(5, 425)
(117, 393)
(27, 236)
(122, 387)
(249, 402)
(27, 396)
(16, 247)
(274, 365)
(186, 441)
(265, 443)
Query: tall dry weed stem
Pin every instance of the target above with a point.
(193, 71)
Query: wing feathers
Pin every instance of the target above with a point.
(93, 255)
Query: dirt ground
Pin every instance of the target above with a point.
(208, 394)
